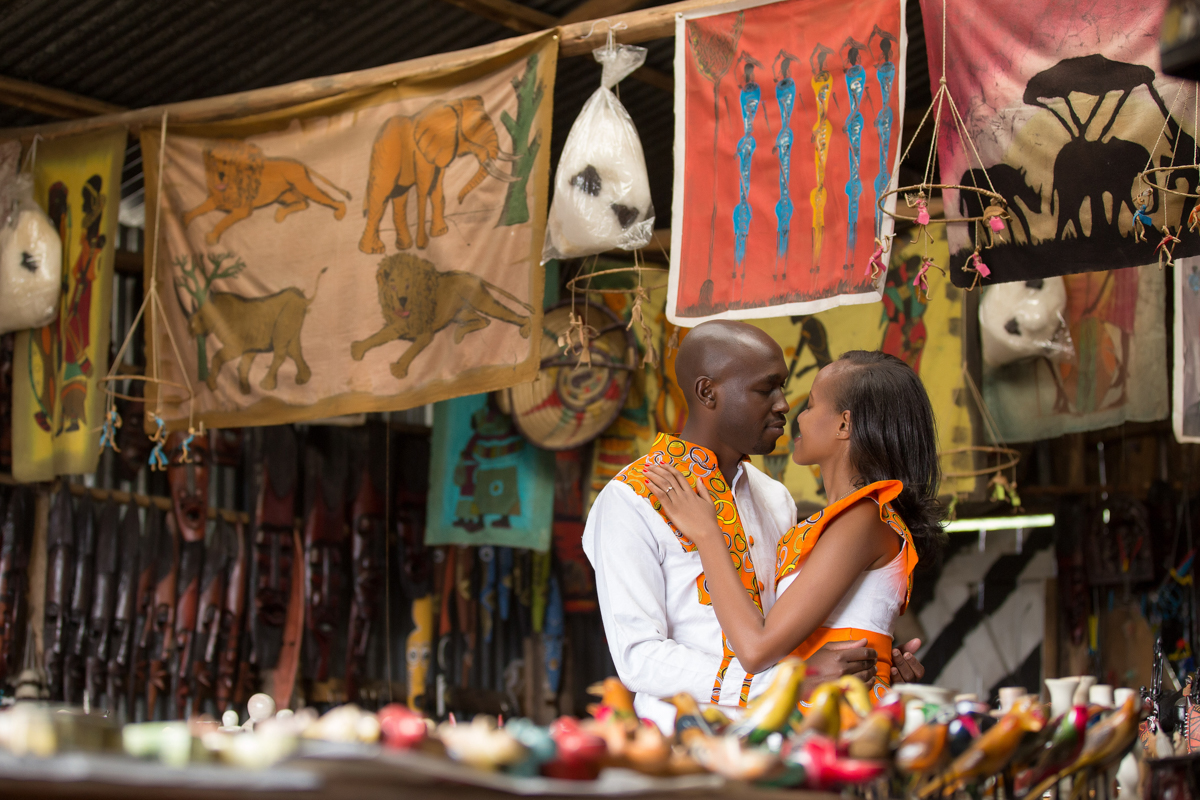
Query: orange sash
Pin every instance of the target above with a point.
(699, 463)
(796, 546)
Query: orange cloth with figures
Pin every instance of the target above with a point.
(698, 463)
(868, 602)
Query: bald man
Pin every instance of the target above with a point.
(662, 631)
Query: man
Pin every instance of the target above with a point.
(662, 631)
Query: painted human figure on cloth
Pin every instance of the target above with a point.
(904, 333)
(487, 470)
(1095, 301)
(75, 320)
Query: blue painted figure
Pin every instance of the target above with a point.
(785, 95)
(856, 87)
(751, 100)
(885, 72)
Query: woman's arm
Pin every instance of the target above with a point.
(852, 543)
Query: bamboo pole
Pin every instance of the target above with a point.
(53, 102)
(133, 498)
(576, 39)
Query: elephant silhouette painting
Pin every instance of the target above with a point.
(240, 179)
(1011, 184)
(1115, 124)
(415, 151)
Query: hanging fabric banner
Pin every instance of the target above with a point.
(787, 131)
(1186, 386)
(1065, 105)
(343, 255)
(1118, 374)
(58, 401)
(487, 484)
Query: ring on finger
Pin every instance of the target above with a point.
(669, 489)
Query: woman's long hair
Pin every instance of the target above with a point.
(893, 437)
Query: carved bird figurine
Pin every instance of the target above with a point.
(770, 711)
(856, 695)
(970, 722)
(990, 752)
(688, 719)
(1059, 752)
(822, 712)
(824, 768)
(730, 757)
(615, 701)
(1104, 742)
(925, 750)
(875, 736)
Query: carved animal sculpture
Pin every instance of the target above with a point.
(1010, 183)
(240, 179)
(418, 300)
(248, 326)
(416, 151)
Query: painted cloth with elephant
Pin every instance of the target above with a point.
(344, 255)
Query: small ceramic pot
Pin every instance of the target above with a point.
(1121, 695)
(1010, 695)
(1101, 695)
(1086, 682)
(1062, 694)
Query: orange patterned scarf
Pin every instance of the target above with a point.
(699, 463)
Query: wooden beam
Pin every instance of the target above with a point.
(51, 102)
(598, 9)
(598, 14)
(511, 15)
(576, 39)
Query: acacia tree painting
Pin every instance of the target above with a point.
(197, 280)
(529, 89)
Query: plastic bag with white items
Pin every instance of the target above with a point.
(601, 190)
(30, 262)
(1025, 319)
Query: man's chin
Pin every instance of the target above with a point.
(767, 445)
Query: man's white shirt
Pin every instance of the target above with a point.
(662, 639)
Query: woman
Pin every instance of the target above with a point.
(844, 573)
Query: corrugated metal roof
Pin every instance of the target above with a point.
(135, 53)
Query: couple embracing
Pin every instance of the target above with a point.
(704, 577)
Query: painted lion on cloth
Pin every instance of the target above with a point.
(418, 300)
(240, 178)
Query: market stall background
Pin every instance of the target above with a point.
(1006, 609)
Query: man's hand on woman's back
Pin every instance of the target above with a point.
(842, 658)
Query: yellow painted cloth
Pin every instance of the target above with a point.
(58, 400)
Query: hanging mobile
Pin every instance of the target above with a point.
(990, 221)
(1142, 219)
(156, 316)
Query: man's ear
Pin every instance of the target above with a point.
(706, 391)
(843, 431)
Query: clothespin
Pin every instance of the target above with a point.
(921, 203)
(922, 279)
(108, 434)
(1166, 248)
(185, 453)
(1194, 219)
(1141, 218)
(876, 264)
(158, 458)
(975, 264)
(994, 215)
